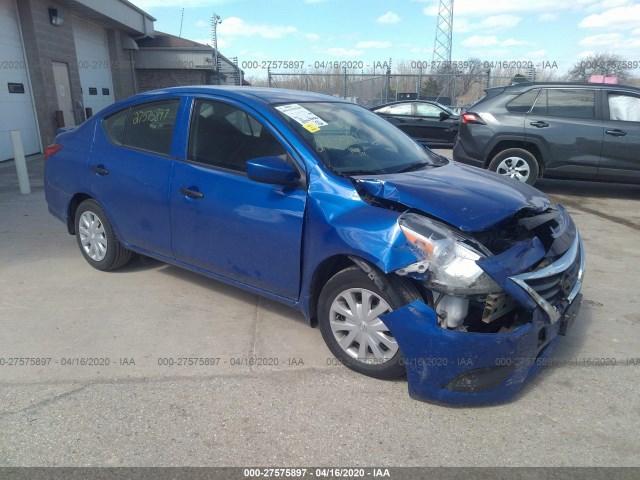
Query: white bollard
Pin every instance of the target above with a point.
(21, 164)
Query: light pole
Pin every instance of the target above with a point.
(215, 20)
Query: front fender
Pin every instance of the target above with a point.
(339, 223)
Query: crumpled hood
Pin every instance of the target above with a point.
(467, 197)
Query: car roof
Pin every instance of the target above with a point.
(264, 94)
(397, 102)
(523, 87)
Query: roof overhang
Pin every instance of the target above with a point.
(118, 14)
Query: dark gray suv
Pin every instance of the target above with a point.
(583, 131)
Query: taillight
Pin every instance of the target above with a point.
(472, 118)
(51, 149)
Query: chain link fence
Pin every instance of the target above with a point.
(370, 90)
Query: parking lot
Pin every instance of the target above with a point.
(272, 394)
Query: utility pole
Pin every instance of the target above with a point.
(215, 21)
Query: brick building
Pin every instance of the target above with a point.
(64, 60)
(169, 61)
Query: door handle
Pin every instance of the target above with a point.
(191, 193)
(616, 133)
(539, 124)
(100, 170)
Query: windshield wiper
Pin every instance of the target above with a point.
(413, 166)
(362, 172)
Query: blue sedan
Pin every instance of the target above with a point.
(407, 262)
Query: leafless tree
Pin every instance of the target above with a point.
(602, 63)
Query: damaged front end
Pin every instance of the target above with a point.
(495, 302)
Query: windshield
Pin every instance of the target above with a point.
(353, 141)
(448, 110)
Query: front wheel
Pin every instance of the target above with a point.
(96, 238)
(516, 163)
(349, 311)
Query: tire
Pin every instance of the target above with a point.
(516, 163)
(371, 348)
(96, 239)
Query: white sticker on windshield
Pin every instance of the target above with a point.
(304, 117)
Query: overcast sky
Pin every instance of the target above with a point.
(370, 31)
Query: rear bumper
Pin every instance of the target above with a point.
(460, 155)
(57, 201)
(462, 368)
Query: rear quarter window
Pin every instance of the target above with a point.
(114, 125)
(523, 103)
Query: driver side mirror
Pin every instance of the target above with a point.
(272, 170)
(444, 116)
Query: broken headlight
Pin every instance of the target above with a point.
(450, 262)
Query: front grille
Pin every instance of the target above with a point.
(557, 282)
(557, 286)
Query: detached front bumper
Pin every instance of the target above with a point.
(465, 368)
(462, 368)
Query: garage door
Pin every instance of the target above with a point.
(15, 90)
(94, 66)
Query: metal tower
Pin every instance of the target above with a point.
(444, 32)
(237, 80)
(215, 21)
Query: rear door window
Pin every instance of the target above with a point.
(150, 126)
(566, 102)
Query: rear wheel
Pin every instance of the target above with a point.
(349, 311)
(96, 239)
(516, 163)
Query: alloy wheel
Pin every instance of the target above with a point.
(514, 167)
